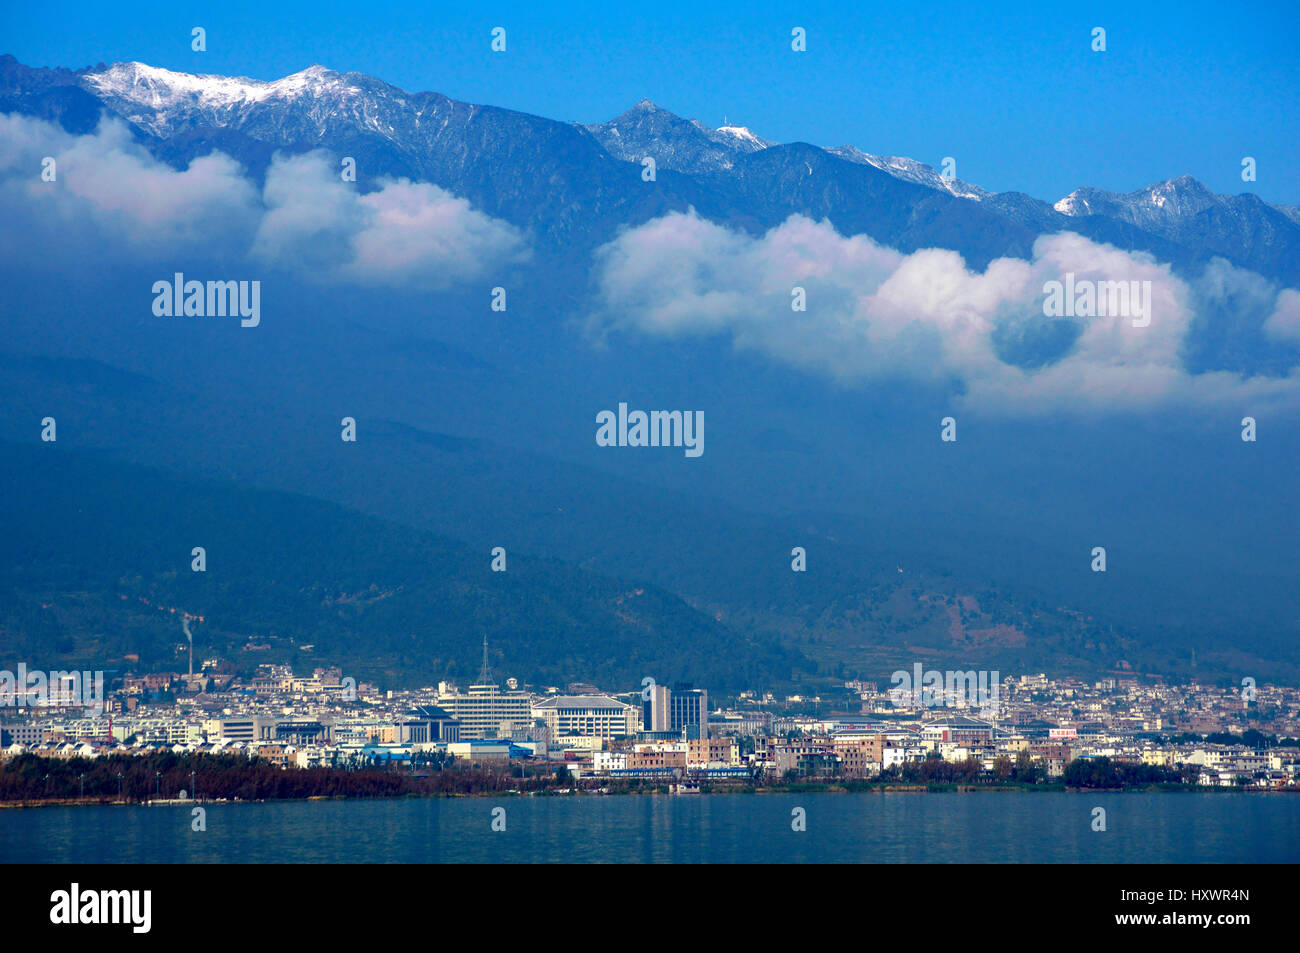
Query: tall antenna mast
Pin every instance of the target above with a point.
(484, 676)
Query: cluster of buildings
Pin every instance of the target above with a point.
(670, 732)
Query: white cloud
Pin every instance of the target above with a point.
(108, 188)
(404, 233)
(112, 199)
(1284, 322)
(877, 314)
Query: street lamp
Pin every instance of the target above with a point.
(83, 785)
(157, 776)
(193, 790)
(119, 785)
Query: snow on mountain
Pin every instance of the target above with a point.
(492, 156)
(909, 170)
(165, 102)
(1241, 228)
(161, 89)
(744, 138)
(683, 145)
(1156, 205)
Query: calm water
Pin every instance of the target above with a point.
(873, 828)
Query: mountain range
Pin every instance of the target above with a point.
(476, 426)
(494, 157)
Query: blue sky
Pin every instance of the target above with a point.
(1013, 91)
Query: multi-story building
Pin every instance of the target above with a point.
(485, 711)
(22, 734)
(592, 715)
(805, 758)
(655, 715)
(677, 709)
(427, 724)
(240, 728)
(603, 762)
(900, 754)
(703, 752)
(1055, 757)
(688, 707)
(278, 754)
(301, 732)
(859, 757)
(958, 729)
(657, 757)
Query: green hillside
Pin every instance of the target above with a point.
(95, 566)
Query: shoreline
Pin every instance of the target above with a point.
(598, 793)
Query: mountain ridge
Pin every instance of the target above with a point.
(497, 157)
(315, 78)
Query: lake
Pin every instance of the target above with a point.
(1001, 827)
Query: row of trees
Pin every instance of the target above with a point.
(935, 770)
(235, 776)
(1083, 772)
(165, 774)
(1105, 773)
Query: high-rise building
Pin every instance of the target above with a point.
(682, 708)
(654, 715)
(688, 707)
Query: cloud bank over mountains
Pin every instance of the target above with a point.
(872, 313)
(112, 199)
(405, 233)
(113, 196)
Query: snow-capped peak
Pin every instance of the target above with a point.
(1072, 204)
(742, 133)
(157, 87)
(164, 101)
(1172, 198)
